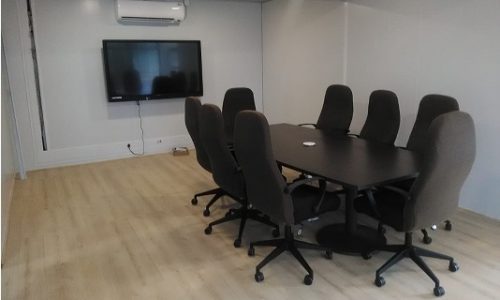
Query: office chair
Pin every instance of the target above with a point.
(336, 114)
(337, 110)
(235, 100)
(430, 107)
(381, 125)
(446, 162)
(226, 172)
(382, 121)
(269, 192)
(191, 118)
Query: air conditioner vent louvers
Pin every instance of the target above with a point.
(141, 18)
(150, 11)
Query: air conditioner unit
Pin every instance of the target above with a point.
(155, 12)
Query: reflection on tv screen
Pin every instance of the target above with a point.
(143, 70)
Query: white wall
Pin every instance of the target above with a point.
(9, 156)
(411, 47)
(16, 48)
(450, 47)
(303, 54)
(81, 126)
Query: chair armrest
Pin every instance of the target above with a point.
(322, 188)
(307, 124)
(371, 199)
(397, 190)
(372, 202)
(292, 186)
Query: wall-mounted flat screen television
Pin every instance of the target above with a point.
(146, 70)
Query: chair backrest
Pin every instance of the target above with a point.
(264, 183)
(382, 121)
(192, 109)
(431, 106)
(235, 100)
(447, 160)
(336, 113)
(225, 169)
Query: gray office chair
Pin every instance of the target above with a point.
(446, 162)
(268, 192)
(191, 118)
(382, 121)
(226, 172)
(381, 125)
(337, 110)
(430, 107)
(235, 100)
(336, 114)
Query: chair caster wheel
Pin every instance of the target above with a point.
(379, 281)
(251, 251)
(206, 212)
(259, 276)
(308, 279)
(237, 243)
(366, 255)
(438, 291)
(427, 240)
(448, 226)
(329, 254)
(194, 201)
(276, 232)
(208, 230)
(453, 267)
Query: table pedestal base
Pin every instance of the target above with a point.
(362, 242)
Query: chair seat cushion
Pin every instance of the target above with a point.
(389, 205)
(306, 198)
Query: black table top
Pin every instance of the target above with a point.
(349, 161)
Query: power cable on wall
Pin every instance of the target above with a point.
(142, 132)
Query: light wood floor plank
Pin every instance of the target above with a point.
(126, 229)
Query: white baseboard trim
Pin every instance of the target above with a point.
(491, 214)
(95, 153)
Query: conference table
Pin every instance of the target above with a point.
(355, 164)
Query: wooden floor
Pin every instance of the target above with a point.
(126, 229)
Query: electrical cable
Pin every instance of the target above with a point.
(142, 131)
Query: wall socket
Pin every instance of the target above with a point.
(177, 151)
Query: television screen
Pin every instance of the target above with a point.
(145, 70)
